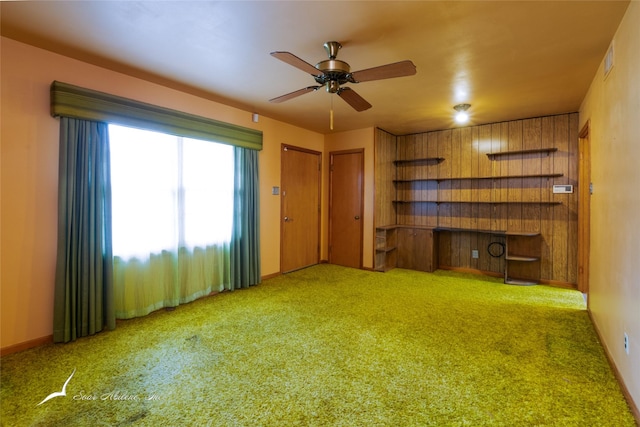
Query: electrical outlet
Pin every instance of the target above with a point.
(474, 253)
(626, 343)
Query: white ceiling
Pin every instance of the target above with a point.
(509, 60)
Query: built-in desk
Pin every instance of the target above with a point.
(416, 247)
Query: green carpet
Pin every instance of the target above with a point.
(332, 346)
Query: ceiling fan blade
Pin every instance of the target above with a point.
(352, 98)
(294, 94)
(397, 69)
(293, 60)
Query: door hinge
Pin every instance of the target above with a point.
(591, 188)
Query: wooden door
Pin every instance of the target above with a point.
(584, 208)
(346, 207)
(300, 208)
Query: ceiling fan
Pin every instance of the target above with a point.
(333, 73)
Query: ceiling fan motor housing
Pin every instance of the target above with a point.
(333, 70)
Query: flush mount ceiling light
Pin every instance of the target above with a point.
(462, 116)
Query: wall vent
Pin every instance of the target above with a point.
(608, 61)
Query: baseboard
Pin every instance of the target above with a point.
(26, 345)
(271, 276)
(559, 284)
(625, 391)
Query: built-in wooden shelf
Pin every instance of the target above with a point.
(522, 258)
(509, 153)
(386, 227)
(519, 282)
(542, 175)
(472, 230)
(415, 226)
(522, 233)
(440, 202)
(423, 160)
(386, 248)
(486, 231)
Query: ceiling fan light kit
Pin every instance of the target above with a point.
(333, 73)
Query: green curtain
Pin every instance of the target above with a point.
(245, 237)
(83, 296)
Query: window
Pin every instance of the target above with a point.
(168, 192)
(184, 214)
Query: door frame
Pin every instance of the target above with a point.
(584, 207)
(283, 149)
(330, 227)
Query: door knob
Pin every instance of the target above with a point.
(287, 219)
(357, 217)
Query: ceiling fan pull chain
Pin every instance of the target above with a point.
(331, 114)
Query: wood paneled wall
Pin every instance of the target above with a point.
(465, 156)
(384, 174)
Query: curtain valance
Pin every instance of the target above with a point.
(72, 101)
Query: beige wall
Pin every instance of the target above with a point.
(29, 178)
(362, 138)
(612, 107)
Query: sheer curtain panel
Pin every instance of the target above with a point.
(173, 205)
